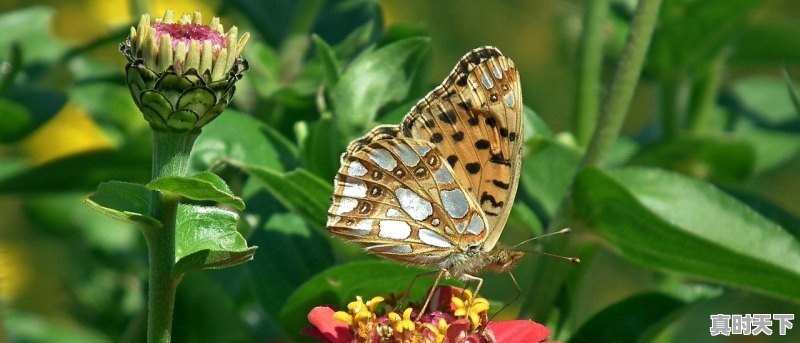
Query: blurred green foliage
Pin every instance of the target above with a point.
(698, 212)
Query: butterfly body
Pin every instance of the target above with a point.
(437, 189)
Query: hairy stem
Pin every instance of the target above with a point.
(170, 158)
(626, 78)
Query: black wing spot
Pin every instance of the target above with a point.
(500, 184)
(448, 117)
(429, 123)
(473, 121)
(499, 159)
(486, 197)
(512, 136)
(473, 168)
(458, 136)
(407, 126)
(491, 122)
(503, 132)
(452, 159)
(474, 58)
(482, 144)
(436, 138)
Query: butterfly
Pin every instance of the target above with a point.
(436, 190)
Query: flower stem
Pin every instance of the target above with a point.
(625, 80)
(704, 94)
(668, 93)
(550, 273)
(589, 70)
(170, 158)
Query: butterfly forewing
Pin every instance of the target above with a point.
(400, 199)
(475, 120)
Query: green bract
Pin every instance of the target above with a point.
(182, 75)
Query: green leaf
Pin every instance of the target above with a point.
(124, 201)
(30, 27)
(534, 125)
(679, 48)
(723, 158)
(204, 312)
(107, 103)
(16, 121)
(669, 222)
(237, 138)
(627, 320)
(93, 228)
(29, 327)
(298, 190)
(296, 254)
(340, 285)
(773, 148)
(78, 172)
(546, 173)
(206, 238)
(522, 216)
(322, 148)
(769, 38)
(375, 79)
(792, 92)
(204, 186)
(329, 60)
(766, 96)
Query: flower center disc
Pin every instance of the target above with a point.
(186, 33)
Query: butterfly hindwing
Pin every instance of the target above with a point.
(400, 199)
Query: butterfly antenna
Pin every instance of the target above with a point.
(559, 232)
(574, 260)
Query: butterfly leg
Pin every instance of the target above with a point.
(439, 275)
(469, 278)
(414, 280)
(519, 293)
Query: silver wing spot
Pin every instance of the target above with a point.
(416, 207)
(346, 205)
(475, 225)
(509, 99)
(432, 238)
(356, 169)
(354, 188)
(383, 158)
(363, 227)
(455, 203)
(394, 229)
(407, 155)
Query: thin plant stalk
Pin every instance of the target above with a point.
(589, 73)
(704, 95)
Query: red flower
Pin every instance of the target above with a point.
(454, 317)
(327, 329)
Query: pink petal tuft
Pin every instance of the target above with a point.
(522, 331)
(328, 329)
